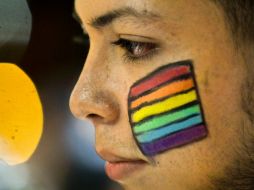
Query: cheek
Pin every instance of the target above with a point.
(165, 110)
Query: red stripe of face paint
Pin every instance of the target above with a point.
(158, 79)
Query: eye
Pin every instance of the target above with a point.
(136, 50)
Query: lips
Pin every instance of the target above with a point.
(121, 167)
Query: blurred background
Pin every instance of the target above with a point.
(65, 158)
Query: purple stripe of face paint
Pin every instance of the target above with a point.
(175, 140)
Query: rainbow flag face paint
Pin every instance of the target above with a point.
(165, 109)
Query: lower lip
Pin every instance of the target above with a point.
(120, 170)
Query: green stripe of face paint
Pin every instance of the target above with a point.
(166, 119)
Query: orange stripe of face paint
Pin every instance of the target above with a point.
(167, 90)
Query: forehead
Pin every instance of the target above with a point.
(168, 10)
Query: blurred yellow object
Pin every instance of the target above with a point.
(21, 116)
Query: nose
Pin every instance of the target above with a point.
(92, 97)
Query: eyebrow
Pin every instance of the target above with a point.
(109, 17)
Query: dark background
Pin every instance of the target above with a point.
(53, 59)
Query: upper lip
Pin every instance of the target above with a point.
(115, 158)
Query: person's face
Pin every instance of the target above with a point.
(165, 32)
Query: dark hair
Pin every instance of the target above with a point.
(240, 16)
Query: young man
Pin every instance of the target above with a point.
(168, 87)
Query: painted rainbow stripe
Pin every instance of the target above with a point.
(165, 109)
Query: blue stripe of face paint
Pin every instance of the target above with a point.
(158, 133)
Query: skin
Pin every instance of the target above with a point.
(193, 29)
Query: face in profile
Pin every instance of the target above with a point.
(162, 86)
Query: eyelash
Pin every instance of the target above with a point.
(129, 47)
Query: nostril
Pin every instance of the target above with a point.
(92, 116)
(96, 119)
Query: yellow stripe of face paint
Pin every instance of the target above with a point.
(163, 106)
(21, 117)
